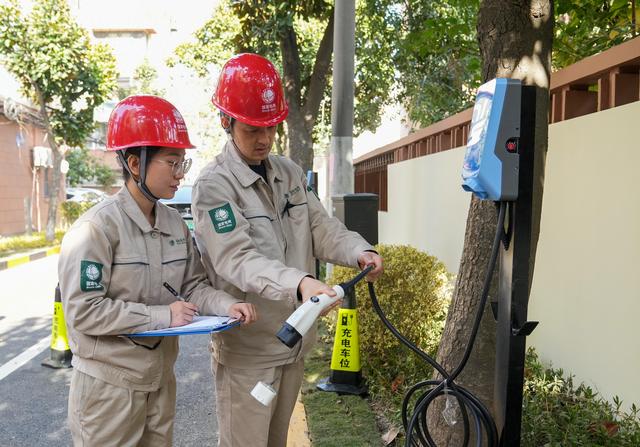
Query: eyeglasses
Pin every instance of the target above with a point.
(177, 167)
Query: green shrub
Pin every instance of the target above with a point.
(414, 294)
(557, 413)
(71, 210)
(16, 244)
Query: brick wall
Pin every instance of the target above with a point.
(16, 178)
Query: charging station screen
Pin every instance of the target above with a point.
(478, 131)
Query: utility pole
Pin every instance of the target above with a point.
(340, 157)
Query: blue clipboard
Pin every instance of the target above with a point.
(199, 325)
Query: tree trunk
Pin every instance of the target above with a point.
(303, 111)
(300, 143)
(478, 374)
(54, 179)
(515, 42)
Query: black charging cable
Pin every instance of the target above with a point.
(426, 392)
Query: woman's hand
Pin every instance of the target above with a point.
(182, 313)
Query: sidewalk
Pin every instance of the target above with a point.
(28, 256)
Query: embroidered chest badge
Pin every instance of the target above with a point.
(222, 218)
(90, 276)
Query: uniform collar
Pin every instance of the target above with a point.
(241, 170)
(131, 209)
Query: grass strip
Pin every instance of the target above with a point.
(334, 420)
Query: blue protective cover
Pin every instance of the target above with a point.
(482, 169)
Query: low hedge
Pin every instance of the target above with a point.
(16, 244)
(558, 413)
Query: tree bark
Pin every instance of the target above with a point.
(303, 110)
(515, 42)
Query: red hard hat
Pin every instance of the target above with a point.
(146, 120)
(250, 90)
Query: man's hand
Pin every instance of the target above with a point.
(309, 287)
(245, 312)
(182, 313)
(370, 258)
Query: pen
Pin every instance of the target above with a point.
(174, 293)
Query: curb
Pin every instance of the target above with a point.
(298, 429)
(18, 260)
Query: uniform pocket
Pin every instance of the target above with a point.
(262, 230)
(174, 265)
(130, 278)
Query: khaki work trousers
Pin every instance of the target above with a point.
(242, 420)
(101, 414)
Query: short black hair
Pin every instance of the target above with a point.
(136, 151)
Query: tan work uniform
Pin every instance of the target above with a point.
(112, 267)
(258, 241)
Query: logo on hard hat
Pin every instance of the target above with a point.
(180, 124)
(268, 96)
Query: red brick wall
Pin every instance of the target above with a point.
(16, 178)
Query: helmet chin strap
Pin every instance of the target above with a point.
(140, 183)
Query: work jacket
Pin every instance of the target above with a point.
(258, 241)
(111, 270)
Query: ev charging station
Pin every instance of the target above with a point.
(499, 166)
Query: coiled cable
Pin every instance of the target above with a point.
(426, 392)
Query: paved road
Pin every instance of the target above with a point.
(33, 399)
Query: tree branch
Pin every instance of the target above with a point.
(318, 81)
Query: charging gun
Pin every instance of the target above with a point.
(299, 323)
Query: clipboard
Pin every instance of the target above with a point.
(199, 325)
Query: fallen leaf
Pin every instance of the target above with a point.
(389, 436)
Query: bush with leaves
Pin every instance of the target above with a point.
(414, 293)
(557, 413)
(72, 210)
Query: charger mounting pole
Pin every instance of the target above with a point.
(515, 277)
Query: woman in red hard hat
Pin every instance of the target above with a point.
(113, 263)
(259, 228)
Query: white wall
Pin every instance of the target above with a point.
(586, 292)
(427, 208)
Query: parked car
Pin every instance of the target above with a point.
(85, 195)
(182, 202)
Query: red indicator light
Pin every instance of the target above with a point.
(512, 145)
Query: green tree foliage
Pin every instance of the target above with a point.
(437, 58)
(587, 27)
(84, 167)
(298, 38)
(144, 78)
(60, 70)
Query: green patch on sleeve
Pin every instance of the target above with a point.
(309, 188)
(90, 276)
(222, 218)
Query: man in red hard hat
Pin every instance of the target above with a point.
(259, 228)
(113, 263)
